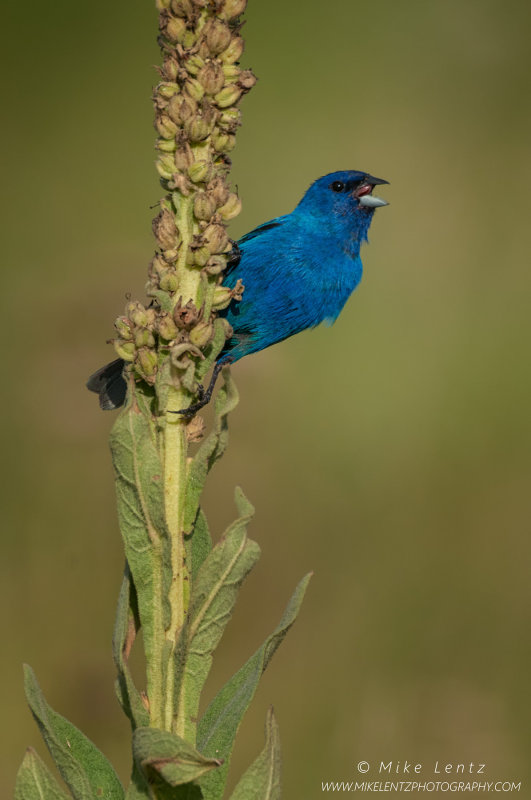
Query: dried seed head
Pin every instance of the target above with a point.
(217, 36)
(187, 316)
(123, 328)
(202, 256)
(229, 119)
(215, 265)
(198, 127)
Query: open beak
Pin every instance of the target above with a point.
(364, 193)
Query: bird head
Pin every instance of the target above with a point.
(343, 201)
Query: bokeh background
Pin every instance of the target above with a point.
(390, 454)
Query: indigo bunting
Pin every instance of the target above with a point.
(297, 270)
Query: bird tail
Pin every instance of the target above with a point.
(109, 383)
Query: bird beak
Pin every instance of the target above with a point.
(364, 193)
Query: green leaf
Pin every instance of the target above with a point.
(211, 449)
(141, 509)
(198, 544)
(176, 761)
(219, 724)
(125, 629)
(262, 779)
(84, 769)
(35, 781)
(214, 594)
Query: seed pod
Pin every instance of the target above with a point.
(229, 119)
(168, 89)
(125, 350)
(223, 142)
(182, 8)
(166, 327)
(228, 96)
(202, 334)
(204, 206)
(165, 229)
(215, 265)
(170, 69)
(232, 9)
(175, 29)
(199, 171)
(122, 326)
(212, 77)
(231, 71)
(194, 89)
(198, 128)
(157, 266)
(217, 36)
(181, 107)
(184, 157)
(218, 189)
(193, 64)
(247, 79)
(165, 126)
(146, 364)
(222, 298)
(165, 166)
(166, 145)
(136, 312)
(234, 51)
(231, 208)
(144, 338)
(215, 238)
(168, 281)
(202, 256)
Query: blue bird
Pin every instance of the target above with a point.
(298, 270)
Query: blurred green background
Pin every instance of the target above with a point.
(389, 453)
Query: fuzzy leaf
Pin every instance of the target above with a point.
(213, 597)
(211, 449)
(219, 724)
(177, 762)
(35, 781)
(198, 544)
(125, 630)
(262, 779)
(140, 494)
(84, 769)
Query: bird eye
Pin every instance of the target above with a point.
(337, 186)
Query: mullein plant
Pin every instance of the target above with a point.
(178, 588)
